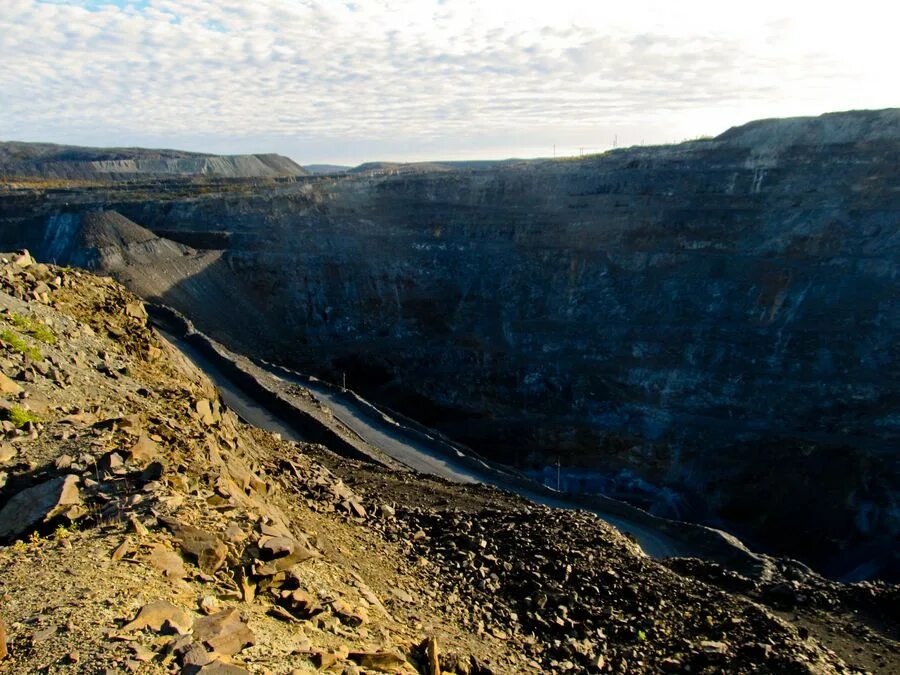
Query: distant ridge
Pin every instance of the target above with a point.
(853, 126)
(418, 167)
(324, 169)
(45, 160)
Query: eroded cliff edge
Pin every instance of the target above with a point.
(706, 329)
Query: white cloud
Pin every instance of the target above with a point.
(326, 79)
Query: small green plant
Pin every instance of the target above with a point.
(35, 539)
(61, 532)
(19, 416)
(43, 333)
(19, 546)
(37, 330)
(16, 343)
(641, 636)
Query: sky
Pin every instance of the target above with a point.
(334, 81)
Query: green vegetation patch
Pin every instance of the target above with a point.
(19, 416)
(17, 343)
(34, 328)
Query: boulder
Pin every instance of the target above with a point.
(143, 451)
(7, 453)
(8, 386)
(39, 504)
(168, 562)
(23, 259)
(224, 633)
(209, 550)
(161, 615)
(286, 553)
(136, 310)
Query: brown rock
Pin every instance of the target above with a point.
(195, 655)
(143, 451)
(204, 411)
(347, 614)
(138, 527)
(292, 552)
(219, 668)
(355, 507)
(384, 661)
(248, 588)
(122, 550)
(207, 548)
(225, 633)
(209, 604)
(323, 660)
(432, 662)
(234, 533)
(161, 615)
(8, 386)
(37, 504)
(136, 310)
(168, 562)
(7, 453)
(3, 651)
(671, 665)
(300, 603)
(276, 546)
(141, 653)
(24, 259)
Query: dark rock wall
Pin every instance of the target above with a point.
(717, 319)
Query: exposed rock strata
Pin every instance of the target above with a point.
(688, 327)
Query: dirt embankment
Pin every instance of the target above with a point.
(145, 528)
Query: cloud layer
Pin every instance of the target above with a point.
(328, 79)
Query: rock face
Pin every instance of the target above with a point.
(69, 162)
(689, 327)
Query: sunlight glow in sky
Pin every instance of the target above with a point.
(351, 81)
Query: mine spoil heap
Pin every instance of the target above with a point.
(145, 528)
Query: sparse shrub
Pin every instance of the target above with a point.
(19, 416)
(16, 343)
(43, 333)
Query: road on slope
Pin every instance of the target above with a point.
(406, 447)
(394, 440)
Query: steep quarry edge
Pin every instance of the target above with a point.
(173, 537)
(302, 407)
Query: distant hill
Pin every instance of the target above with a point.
(326, 168)
(47, 160)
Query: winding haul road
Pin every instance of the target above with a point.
(395, 442)
(427, 455)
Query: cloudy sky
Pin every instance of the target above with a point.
(348, 81)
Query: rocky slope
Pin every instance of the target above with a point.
(686, 327)
(49, 161)
(172, 537)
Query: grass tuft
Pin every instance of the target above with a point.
(34, 328)
(16, 343)
(19, 416)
